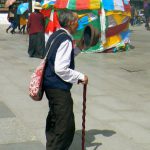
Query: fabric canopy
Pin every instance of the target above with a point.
(120, 5)
(109, 17)
(78, 4)
(109, 5)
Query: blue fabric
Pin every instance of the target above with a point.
(126, 2)
(82, 22)
(108, 4)
(51, 79)
(124, 35)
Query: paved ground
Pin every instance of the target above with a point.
(118, 103)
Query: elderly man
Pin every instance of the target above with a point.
(58, 79)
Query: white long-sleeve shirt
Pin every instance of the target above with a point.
(62, 62)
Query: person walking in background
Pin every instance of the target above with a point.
(58, 79)
(10, 18)
(35, 28)
(132, 20)
(16, 22)
(146, 14)
(23, 22)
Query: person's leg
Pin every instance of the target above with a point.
(148, 27)
(134, 21)
(40, 45)
(8, 28)
(32, 45)
(18, 26)
(23, 29)
(146, 22)
(60, 125)
(14, 27)
(131, 21)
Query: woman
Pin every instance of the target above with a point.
(10, 18)
(35, 28)
(23, 22)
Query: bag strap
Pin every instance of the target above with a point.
(52, 43)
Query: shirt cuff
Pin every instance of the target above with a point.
(81, 77)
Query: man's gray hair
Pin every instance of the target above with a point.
(65, 16)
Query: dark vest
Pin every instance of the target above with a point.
(51, 79)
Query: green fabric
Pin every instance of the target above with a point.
(72, 4)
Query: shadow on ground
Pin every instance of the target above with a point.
(90, 140)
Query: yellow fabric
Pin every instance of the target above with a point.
(82, 15)
(112, 41)
(119, 18)
(23, 21)
(94, 4)
(118, 12)
(45, 6)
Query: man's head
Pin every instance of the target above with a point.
(68, 20)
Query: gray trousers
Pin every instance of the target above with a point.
(60, 124)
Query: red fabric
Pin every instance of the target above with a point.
(56, 21)
(53, 25)
(116, 30)
(82, 4)
(127, 7)
(49, 27)
(35, 23)
(46, 12)
(61, 4)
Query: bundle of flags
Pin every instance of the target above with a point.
(112, 16)
(78, 4)
(119, 5)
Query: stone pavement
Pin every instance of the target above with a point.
(118, 97)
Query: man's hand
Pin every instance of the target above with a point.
(85, 81)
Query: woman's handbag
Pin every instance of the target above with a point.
(36, 90)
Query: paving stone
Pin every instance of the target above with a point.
(117, 100)
(5, 111)
(23, 146)
(132, 131)
(12, 130)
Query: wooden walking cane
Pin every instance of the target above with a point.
(83, 116)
